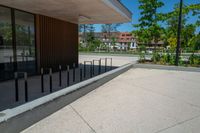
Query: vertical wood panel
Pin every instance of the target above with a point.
(37, 28)
(57, 42)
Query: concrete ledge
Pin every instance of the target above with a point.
(164, 67)
(21, 117)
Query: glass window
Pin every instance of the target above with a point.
(6, 47)
(25, 41)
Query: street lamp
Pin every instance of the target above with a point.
(179, 34)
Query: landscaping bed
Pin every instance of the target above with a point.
(169, 59)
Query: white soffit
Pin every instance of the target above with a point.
(75, 11)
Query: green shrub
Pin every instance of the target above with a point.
(142, 52)
(172, 59)
(156, 57)
(194, 60)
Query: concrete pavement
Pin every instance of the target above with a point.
(117, 60)
(138, 101)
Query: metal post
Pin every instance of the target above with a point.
(179, 34)
(42, 80)
(84, 69)
(26, 87)
(16, 87)
(93, 67)
(110, 63)
(81, 73)
(105, 64)
(50, 80)
(60, 75)
(99, 66)
(74, 73)
(68, 75)
(90, 69)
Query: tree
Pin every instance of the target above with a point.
(113, 42)
(86, 29)
(194, 43)
(6, 32)
(148, 28)
(109, 28)
(188, 30)
(195, 9)
(172, 41)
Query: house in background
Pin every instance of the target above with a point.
(115, 40)
(126, 41)
(44, 33)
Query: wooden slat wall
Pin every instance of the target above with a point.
(57, 42)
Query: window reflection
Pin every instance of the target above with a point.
(6, 49)
(25, 41)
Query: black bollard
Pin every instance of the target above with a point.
(50, 80)
(74, 72)
(16, 87)
(105, 64)
(60, 75)
(91, 69)
(42, 80)
(26, 87)
(67, 75)
(110, 63)
(81, 73)
(99, 66)
(84, 71)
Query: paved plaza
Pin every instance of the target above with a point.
(138, 101)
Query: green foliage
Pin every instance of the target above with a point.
(188, 29)
(6, 31)
(149, 12)
(142, 52)
(194, 60)
(88, 31)
(156, 57)
(92, 44)
(148, 28)
(194, 43)
(172, 41)
(165, 59)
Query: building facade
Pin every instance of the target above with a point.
(126, 41)
(38, 34)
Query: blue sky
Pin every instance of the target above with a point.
(133, 5)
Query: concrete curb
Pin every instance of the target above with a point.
(21, 117)
(164, 67)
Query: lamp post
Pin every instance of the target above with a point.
(179, 34)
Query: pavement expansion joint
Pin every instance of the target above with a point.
(82, 118)
(179, 123)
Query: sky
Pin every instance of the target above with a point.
(133, 5)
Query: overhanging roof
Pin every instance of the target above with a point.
(75, 11)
